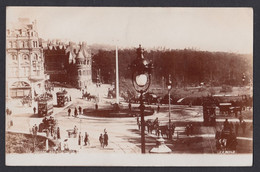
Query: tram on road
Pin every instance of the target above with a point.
(62, 98)
(45, 105)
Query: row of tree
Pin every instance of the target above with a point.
(188, 67)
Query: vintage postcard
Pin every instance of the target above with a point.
(120, 86)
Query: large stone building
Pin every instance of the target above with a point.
(69, 63)
(24, 60)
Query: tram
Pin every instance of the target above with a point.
(62, 98)
(45, 105)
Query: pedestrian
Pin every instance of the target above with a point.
(75, 131)
(69, 111)
(86, 139)
(138, 123)
(129, 106)
(240, 119)
(34, 110)
(58, 133)
(236, 127)
(101, 140)
(96, 106)
(79, 141)
(75, 112)
(191, 129)
(105, 139)
(243, 125)
(188, 130)
(80, 110)
(70, 98)
(35, 129)
(158, 108)
(47, 133)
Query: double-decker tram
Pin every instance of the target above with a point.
(45, 105)
(62, 98)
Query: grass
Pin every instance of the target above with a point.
(24, 143)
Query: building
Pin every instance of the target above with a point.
(69, 63)
(56, 61)
(24, 60)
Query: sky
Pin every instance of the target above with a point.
(207, 29)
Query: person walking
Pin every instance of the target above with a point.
(34, 110)
(240, 119)
(158, 108)
(86, 139)
(75, 112)
(80, 110)
(188, 130)
(79, 139)
(101, 140)
(69, 111)
(105, 139)
(130, 106)
(96, 106)
(191, 129)
(35, 129)
(58, 133)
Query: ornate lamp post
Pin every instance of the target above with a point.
(169, 87)
(141, 79)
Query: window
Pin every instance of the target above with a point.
(13, 93)
(14, 44)
(25, 71)
(79, 72)
(20, 93)
(35, 57)
(25, 57)
(10, 45)
(14, 57)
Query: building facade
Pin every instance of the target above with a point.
(69, 63)
(24, 60)
(56, 61)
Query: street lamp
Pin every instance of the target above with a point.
(141, 80)
(169, 87)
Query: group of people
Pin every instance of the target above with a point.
(50, 126)
(34, 130)
(77, 111)
(103, 139)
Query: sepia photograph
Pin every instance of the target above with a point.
(129, 86)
